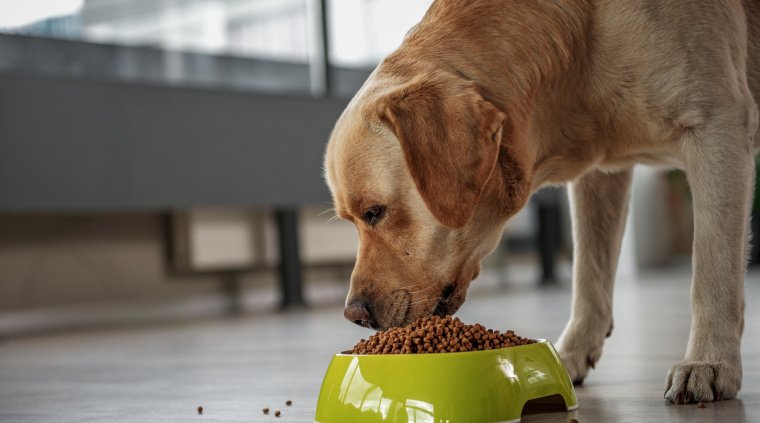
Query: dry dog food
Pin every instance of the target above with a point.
(277, 413)
(200, 410)
(288, 403)
(266, 411)
(437, 335)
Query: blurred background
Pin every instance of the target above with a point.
(161, 160)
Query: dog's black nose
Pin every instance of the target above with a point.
(358, 312)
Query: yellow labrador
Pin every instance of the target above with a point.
(487, 101)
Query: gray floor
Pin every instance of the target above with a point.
(235, 367)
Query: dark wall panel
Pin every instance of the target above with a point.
(78, 145)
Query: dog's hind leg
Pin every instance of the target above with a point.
(720, 166)
(599, 204)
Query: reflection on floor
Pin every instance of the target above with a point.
(236, 367)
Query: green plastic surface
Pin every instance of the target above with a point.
(477, 386)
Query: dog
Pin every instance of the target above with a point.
(486, 101)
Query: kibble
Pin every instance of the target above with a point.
(200, 409)
(266, 411)
(437, 334)
(277, 413)
(288, 402)
(701, 405)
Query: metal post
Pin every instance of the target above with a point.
(233, 292)
(549, 219)
(290, 258)
(327, 69)
(319, 63)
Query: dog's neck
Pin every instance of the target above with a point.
(511, 49)
(516, 51)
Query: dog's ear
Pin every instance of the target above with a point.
(450, 137)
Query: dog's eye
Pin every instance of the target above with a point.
(373, 214)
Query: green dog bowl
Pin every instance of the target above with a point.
(476, 386)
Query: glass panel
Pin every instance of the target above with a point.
(36, 17)
(362, 32)
(270, 29)
(271, 45)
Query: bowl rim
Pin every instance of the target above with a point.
(446, 354)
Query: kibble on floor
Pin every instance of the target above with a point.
(437, 334)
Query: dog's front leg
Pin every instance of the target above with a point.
(721, 172)
(599, 204)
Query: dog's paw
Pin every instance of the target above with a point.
(580, 351)
(702, 381)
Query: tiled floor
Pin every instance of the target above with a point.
(235, 367)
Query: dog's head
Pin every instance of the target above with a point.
(425, 171)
